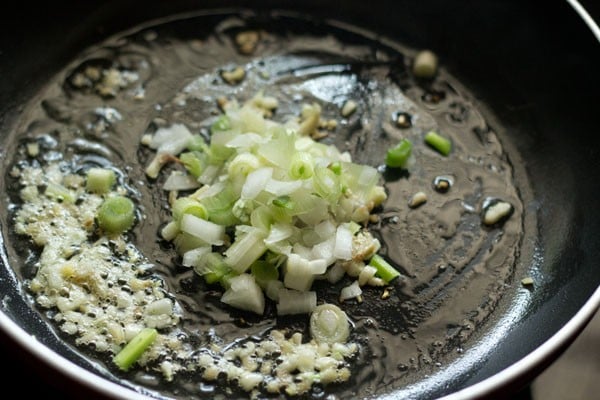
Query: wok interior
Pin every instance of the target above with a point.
(536, 79)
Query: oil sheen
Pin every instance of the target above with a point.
(454, 268)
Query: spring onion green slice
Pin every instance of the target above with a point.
(135, 348)
(214, 269)
(194, 162)
(441, 144)
(116, 214)
(384, 269)
(264, 272)
(397, 156)
(188, 205)
(302, 165)
(336, 167)
(100, 180)
(196, 143)
(284, 202)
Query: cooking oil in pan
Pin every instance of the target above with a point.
(454, 267)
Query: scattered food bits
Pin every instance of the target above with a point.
(497, 212)
(386, 294)
(247, 41)
(146, 139)
(33, 149)
(331, 124)
(318, 135)
(266, 104)
(527, 281)
(222, 102)
(442, 184)
(403, 120)
(425, 64)
(349, 108)
(234, 76)
(328, 124)
(417, 199)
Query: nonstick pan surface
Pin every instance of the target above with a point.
(536, 69)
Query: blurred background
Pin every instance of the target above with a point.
(576, 374)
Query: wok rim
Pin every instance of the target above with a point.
(549, 349)
(547, 352)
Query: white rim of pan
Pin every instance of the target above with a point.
(73, 371)
(481, 389)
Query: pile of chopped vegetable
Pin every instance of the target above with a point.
(272, 209)
(104, 295)
(100, 288)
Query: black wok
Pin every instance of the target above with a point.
(536, 68)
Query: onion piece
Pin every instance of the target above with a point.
(351, 291)
(335, 273)
(281, 188)
(295, 302)
(366, 274)
(329, 324)
(245, 294)
(180, 181)
(205, 230)
(246, 140)
(192, 258)
(256, 181)
(343, 243)
(273, 288)
(278, 233)
(246, 249)
(324, 250)
(172, 140)
(298, 273)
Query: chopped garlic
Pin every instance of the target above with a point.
(496, 212)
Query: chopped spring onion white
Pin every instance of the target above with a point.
(256, 182)
(350, 292)
(299, 274)
(170, 230)
(172, 140)
(193, 258)
(281, 188)
(245, 294)
(179, 181)
(329, 324)
(343, 243)
(335, 273)
(245, 250)
(366, 274)
(296, 302)
(295, 205)
(207, 231)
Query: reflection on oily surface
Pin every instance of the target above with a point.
(455, 268)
